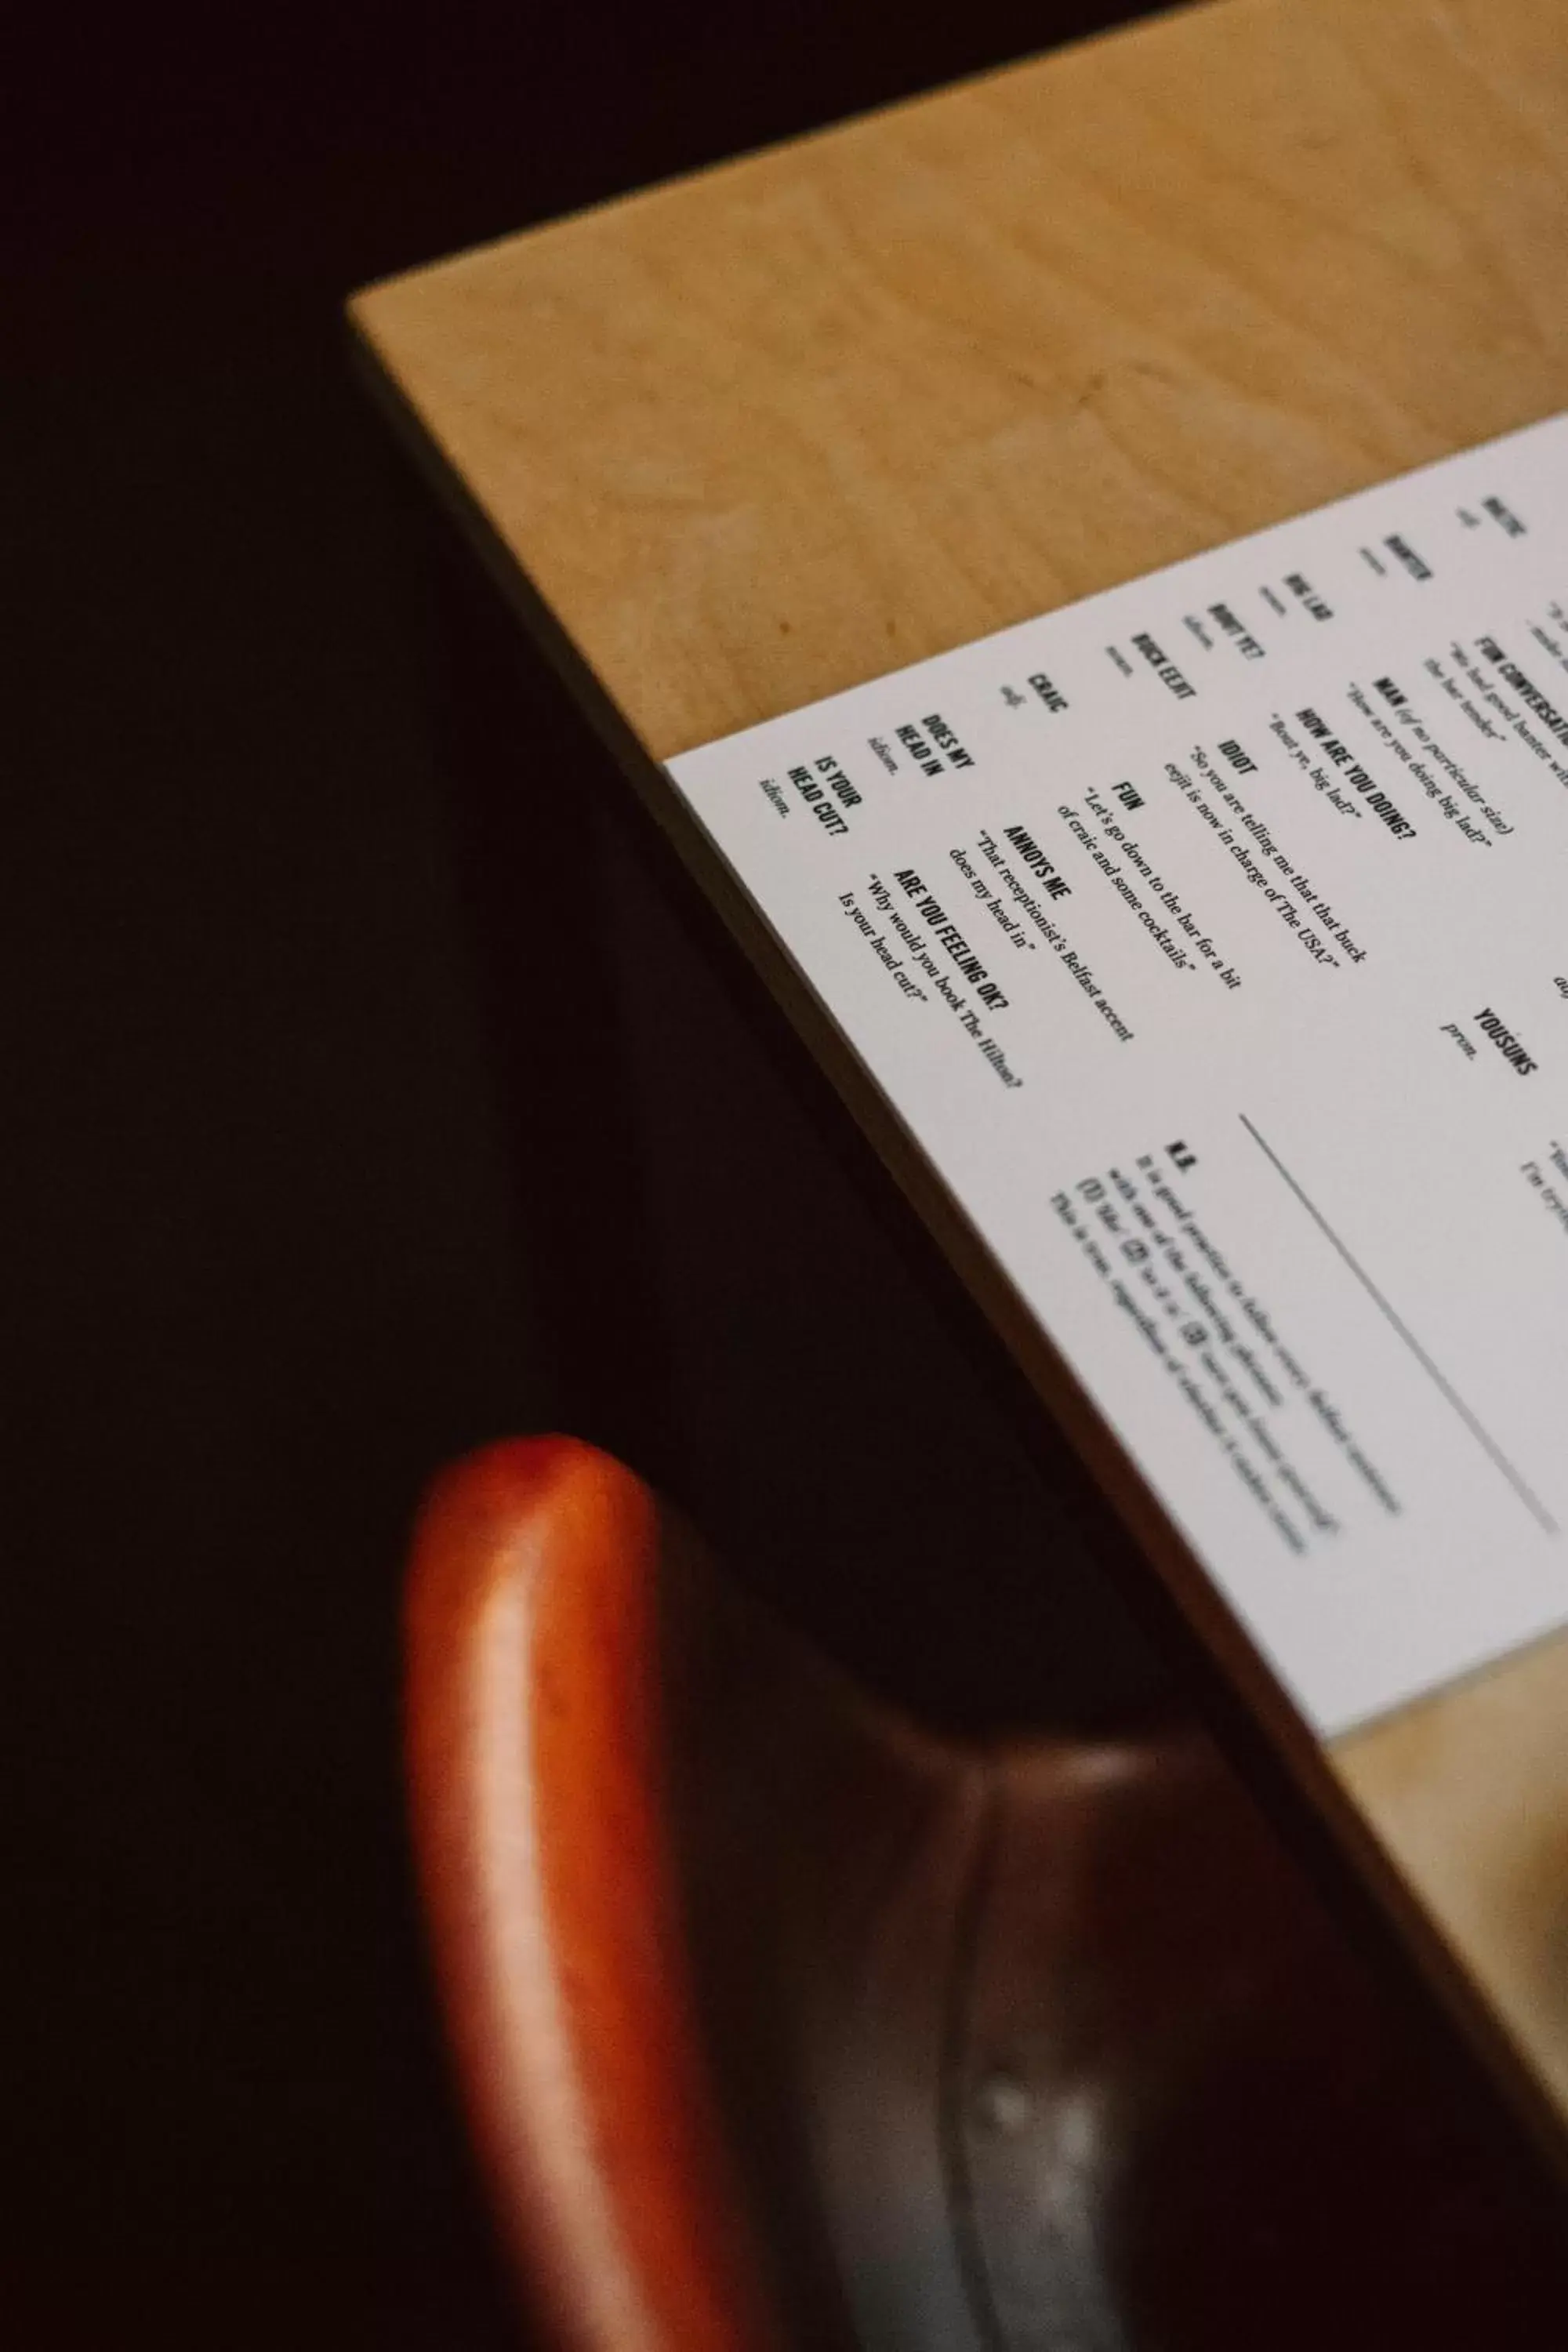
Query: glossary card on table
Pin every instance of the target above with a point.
(1211, 938)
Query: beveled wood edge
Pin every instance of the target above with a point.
(1253, 1716)
(1468, 1784)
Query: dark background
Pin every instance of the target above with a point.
(301, 1195)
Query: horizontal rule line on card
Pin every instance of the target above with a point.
(1532, 1504)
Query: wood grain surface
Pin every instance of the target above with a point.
(759, 435)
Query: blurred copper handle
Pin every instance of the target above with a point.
(538, 1768)
(784, 2021)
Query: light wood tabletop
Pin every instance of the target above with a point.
(763, 434)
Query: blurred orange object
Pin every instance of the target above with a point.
(783, 2022)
